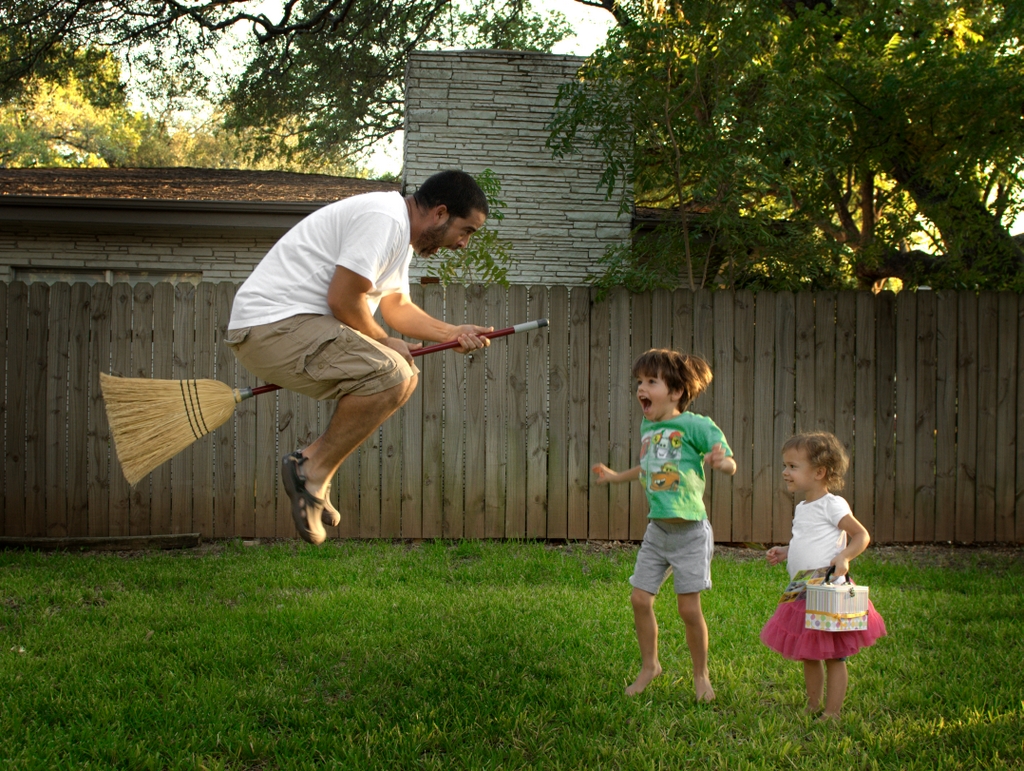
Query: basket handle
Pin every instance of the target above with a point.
(831, 570)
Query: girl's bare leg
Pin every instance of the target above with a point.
(647, 636)
(814, 679)
(697, 641)
(837, 682)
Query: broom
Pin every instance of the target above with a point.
(153, 420)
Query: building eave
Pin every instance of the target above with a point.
(223, 215)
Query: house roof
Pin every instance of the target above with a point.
(173, 196)
(184, 184)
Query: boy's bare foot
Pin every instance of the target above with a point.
(812, 709)
(643, 680)
(702, 686)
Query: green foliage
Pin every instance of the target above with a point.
(815, 148)
(486, 259)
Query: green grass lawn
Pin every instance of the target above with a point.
(483, 656)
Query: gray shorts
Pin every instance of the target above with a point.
(678, 545)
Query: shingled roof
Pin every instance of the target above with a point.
(184, 184)
(174, 197)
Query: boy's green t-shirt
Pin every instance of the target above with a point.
(672, 464)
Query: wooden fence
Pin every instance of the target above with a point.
(924, 388)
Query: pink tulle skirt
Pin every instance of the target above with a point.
(785, 633)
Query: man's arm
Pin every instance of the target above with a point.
(404, 316)
(346, 297)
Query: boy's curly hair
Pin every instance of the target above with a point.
(680, 371)
(825, 451)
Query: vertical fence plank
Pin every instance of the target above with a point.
(412, 450)
(78, 411)
(620, 412)
(579, 412)
(885, 415)
(497, 416)
(454, 418)
(202, 458)
(57, 354)
(824, 361)
(640, 332)
(99, 432)
(945, 415)
(390, 471)
(433, 409)
(924, 425)
(682, 321)
(600, 329)
(267, 469)
(286, 442)
(967, 416)
(163, 368)
(184, 347)
(1019, 527)
(476, 429)
(864, 419)
(120, 364)
(985, 480)
(515, 490)
(742, 440)
(662, 320)
(141, 367)
(765, 446)
(724, 387)
(35, 410)
(3, 407)
(846, 380)
(228, 467)
(906, 414)
(558, 413)
(785, 410)
(704, 346)
(537, 419)
(17, 353)
(1007, 443)
(804, 405)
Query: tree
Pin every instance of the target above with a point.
(812, 147)
(322, 80)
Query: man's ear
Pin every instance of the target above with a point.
(439, 214)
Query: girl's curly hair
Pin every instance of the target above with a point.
(825, 451)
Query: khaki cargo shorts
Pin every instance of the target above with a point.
(318, 356)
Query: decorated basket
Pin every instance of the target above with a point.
(836, 607)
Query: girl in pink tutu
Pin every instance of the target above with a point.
(825, 534)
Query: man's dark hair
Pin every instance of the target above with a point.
(454, 189)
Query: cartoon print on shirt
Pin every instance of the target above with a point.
(667, 449)
(666, 480)
(668, 446)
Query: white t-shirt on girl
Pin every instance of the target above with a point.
(816, 534)
(368, 234)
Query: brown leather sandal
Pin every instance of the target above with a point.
(307, 509)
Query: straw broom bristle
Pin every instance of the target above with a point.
(153, 420)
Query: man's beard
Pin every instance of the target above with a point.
(432, 239)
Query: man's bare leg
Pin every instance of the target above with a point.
(697, 641)
(354, 419)
(647, 636)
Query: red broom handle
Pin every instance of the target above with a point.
(526, 326)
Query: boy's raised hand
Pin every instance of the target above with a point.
(717, 459)
(603, 473)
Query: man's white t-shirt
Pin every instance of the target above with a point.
(816, 534)
(368, 234)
